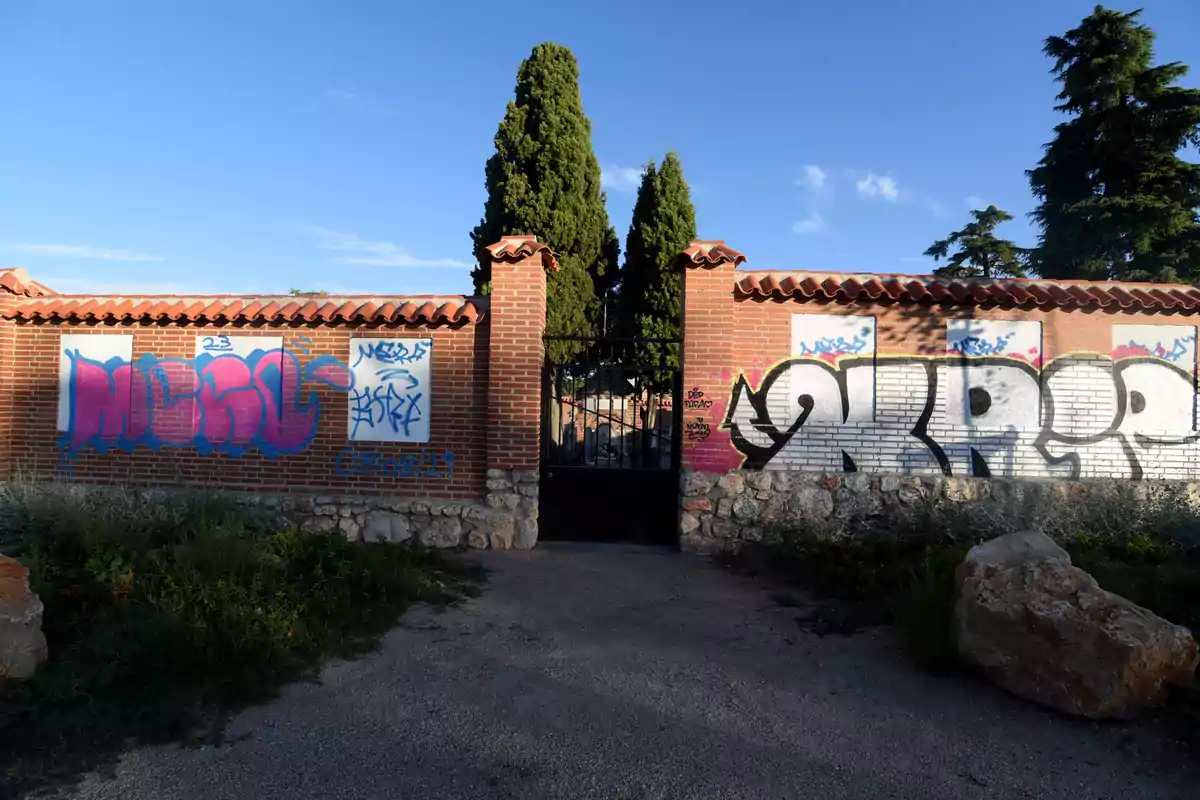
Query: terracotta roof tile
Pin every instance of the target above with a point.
(511, 249)
(17, 281)
(967, 291)
(420, 310)
(710, 254)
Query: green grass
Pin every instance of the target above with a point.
(164, 616)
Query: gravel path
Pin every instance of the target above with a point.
(615, 672)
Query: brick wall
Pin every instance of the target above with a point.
(330, 462)
(1062, 396)
(483, 391)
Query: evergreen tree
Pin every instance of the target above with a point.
(1116, 200)
(544, 180)
(664, 221)
(979, 253)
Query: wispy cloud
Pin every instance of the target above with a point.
(621, 179)
(380, 254)
(75, 285)
(872, 186)
(937, 209)
(814, 177)
(82, 251)
(975, 202)
(360, 103)
(811, 224)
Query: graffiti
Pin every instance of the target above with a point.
(830, 336)
(696, 430)
(976, 346)
(696, 399)
(1082, 416)
(1174, 343)
(241, 398)
(423, 464)
(987, 407)
(1015, 339)
(390, 401)
(216, 344)
(392, 351)
(838, 346)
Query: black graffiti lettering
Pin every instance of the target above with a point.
(1077, 414)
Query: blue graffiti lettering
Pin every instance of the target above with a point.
(217, 344)
(383, 405)
(829, 345)
(423, 464)
(975, 346)
(394, 351)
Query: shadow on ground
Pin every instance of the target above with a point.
(617, 672)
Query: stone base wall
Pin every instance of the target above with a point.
(507, 517)
(720, 512)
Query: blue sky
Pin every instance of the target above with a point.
(192, 146)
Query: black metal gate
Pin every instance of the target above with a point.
(610, 440)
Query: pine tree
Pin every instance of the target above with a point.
(1116, 200)
(979, 253)
(544, 180)
(664, 221)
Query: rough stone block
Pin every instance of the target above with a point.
(349, 529)
(694, 484)
(759, 480)
(22, 645)
(688, 523)
(526, 534)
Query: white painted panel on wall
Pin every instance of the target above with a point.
(1175, 344)
(829, 338)
(832, 336)
(1001, 393)
(1159, 386)
(391, 397)
(99, 348)
(995, 337)
(244, 346)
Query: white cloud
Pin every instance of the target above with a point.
(937, 209)
(82, 251)
(380, 254)
(359, 103)
(69, 285)
(872, 186)
(621, 179)
(975, 202)
(814, 177)
(813, 223)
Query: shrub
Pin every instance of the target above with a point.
(163, 612)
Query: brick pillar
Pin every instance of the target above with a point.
(708, 350)
(15, 286)
(515, 358)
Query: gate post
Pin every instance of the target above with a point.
(516, 353)
(707, 360)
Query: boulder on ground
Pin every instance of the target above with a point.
(22, 645)
(1045, 630)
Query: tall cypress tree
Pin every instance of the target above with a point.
(978, 253)
(544, 180)
(1116, 200)
(664, 221)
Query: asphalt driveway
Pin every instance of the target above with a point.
(612, 672)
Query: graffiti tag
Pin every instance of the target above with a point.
(423, 464)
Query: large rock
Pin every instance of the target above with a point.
(1045, 630)
(22, 645)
